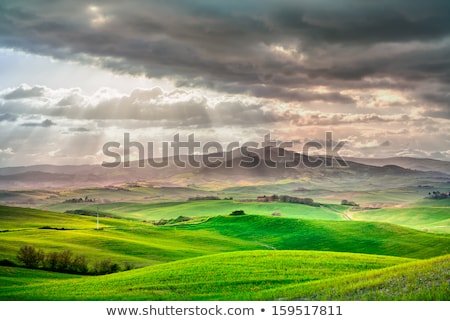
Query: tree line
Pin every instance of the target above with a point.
(65, 261)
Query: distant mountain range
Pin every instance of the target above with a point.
(419, 164)
(251, 165)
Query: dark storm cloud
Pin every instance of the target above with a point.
(366, 21)
(443, 112)
(233, 42)
(439, 102)
(45, 123)
(438, 98)
(272, 91)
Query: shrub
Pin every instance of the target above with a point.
(237, 212)
(349, 203)
(79, 265)
(64, 260)
(51, 261)
(31, 257)
(105, 267)
(128, 266)
(6, 262)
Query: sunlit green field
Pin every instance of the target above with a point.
(208, 208)
(121, 240)
(433, 219)
(16, 277)
(215, 256)
(426, 280)
(214, 277)
(250, 275)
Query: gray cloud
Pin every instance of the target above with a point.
(79, 129)
(182, 109)
(287, 65)
(44, 123)
(326, 119)
(272, 91)
(365, 22)
(438, 98)
(8, 117)
(443, 112)
(24, 92)
(438, 103)
(237, 113)
(242, 43)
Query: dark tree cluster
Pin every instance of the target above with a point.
(204, 198)
(80, 200)
(65, 261)
(297, 200)
(237, 213)
(179, 219)
(436, 195)
(349, 203)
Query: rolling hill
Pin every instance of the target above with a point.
(420, 164)
(144, 244)
(215, 277)
(222, 257)
(269, 164)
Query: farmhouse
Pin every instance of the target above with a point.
(265, 198)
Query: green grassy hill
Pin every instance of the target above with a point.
(144, 244)
(13, 276)
(433, 219)
(215, 277)
(120, 240)
(226, 258)
(426, 280)
(341, 236)
(201, 208)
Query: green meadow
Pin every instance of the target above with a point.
(430, 218)
(202, 208)
(194, 250)
(212, 277)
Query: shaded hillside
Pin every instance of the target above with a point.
(420, 164)
(270, 164)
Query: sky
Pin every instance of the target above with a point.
(75, 75)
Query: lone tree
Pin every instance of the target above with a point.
(237, 212)
(31, 257)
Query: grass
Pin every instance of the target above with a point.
(12, 276)
(14, 218)
(215, 277)
(433, 219)
(167, 210)
(119, 239)
(415, 281)
(229, 258)
(144, 244)
(339, 236)
(140, 246)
